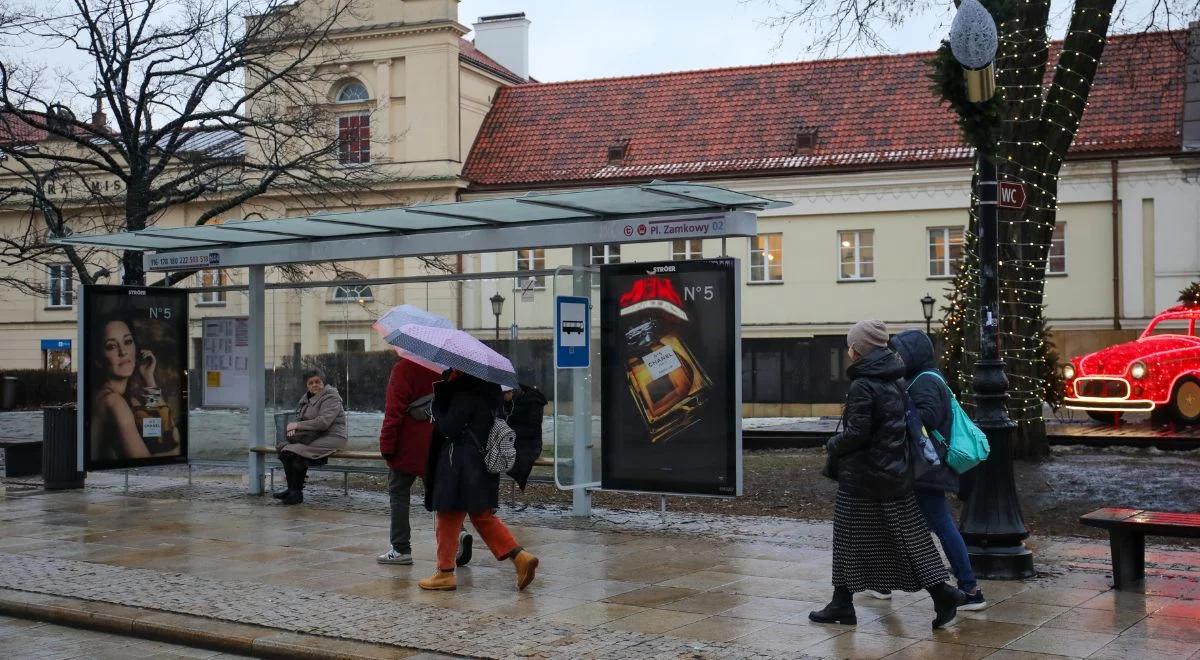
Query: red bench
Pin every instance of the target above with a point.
(1127, 531)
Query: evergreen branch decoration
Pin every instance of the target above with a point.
(1190, 295)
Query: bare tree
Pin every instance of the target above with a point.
(219, 105)
(1027, 129)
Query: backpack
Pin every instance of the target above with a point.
(924, 454)
(422, 409)
(499, 453)
(967, 445)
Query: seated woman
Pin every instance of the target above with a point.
(320, 432)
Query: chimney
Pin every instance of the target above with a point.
(505, 38)
(1191, 90)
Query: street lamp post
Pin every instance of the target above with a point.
(927, 304)
(497, 308)
(992, 524)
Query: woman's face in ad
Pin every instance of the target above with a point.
(119, 349)
(315, 385)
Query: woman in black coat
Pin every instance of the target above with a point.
(458, 485)
(931, 397)
(880, 541)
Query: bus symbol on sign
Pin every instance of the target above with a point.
(1012, 195)
(572, 327)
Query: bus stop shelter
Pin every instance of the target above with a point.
(577, 219)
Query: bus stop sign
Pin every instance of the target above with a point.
(572, 339)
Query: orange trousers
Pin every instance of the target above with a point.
(497, 537)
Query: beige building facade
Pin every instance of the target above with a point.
(863, 242)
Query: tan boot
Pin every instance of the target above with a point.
(440, 581)
(526, 564)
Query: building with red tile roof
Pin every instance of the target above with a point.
(839, 115)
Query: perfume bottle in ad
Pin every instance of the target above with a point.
(665, 379)
(153, 418)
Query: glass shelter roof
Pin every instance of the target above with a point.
(596, 204)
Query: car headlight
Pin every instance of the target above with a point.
(1138, 370)
(1068, 371)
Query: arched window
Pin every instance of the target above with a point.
(352, 293)
(353, 92)
(353, 128)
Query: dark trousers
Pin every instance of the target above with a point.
(295, 468)
(937, 515)
(399, 494)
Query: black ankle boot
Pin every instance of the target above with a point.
(839, 610)
(295, 494)
(946, 600)
(289, 474)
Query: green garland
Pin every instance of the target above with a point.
(1190, 294)
(982, 124)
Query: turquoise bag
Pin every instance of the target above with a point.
(968, 446)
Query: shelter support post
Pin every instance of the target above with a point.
(581, 398)
(258, 378)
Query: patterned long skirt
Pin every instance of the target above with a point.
(883, 546)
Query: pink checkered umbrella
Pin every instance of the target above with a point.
(388, 327)
(458, 350)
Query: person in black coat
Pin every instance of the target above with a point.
(458, 485)
(931, 397)
(880, 541)
(524, 408)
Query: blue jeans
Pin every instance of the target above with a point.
(937, 515)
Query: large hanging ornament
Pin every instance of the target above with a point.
(973, 37)
(973, 41)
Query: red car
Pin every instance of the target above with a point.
(1157, 373)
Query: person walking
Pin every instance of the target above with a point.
(320, 432)
(458, 485)
(880, 540)
(404, 443)
(931, 397)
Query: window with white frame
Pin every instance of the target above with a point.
(59, 290)
(856, 251)
(687, 249)
(945, 251)
(602, 255)
(531, 259)
(766, 258)
(1056, 263)
(353, 128)
(352, 293)
(353, 92)
(211, 277)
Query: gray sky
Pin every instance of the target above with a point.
(574, 39)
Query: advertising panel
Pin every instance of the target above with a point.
(670, 377)
(134, 377)
(226, 377)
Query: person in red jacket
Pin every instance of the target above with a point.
(404, 442)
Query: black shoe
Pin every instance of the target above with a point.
(974, 602)
(834, 614)
(281, 494)
(464, 549)
(293, 497)
(946, 600)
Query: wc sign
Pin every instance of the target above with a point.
(1012, 195)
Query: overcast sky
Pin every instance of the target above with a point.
(573, 39)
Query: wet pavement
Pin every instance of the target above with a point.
(625, 584)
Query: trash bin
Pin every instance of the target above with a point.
(282, 419)
(8, 393)
(59, 448)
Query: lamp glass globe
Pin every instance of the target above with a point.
(973, 39)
